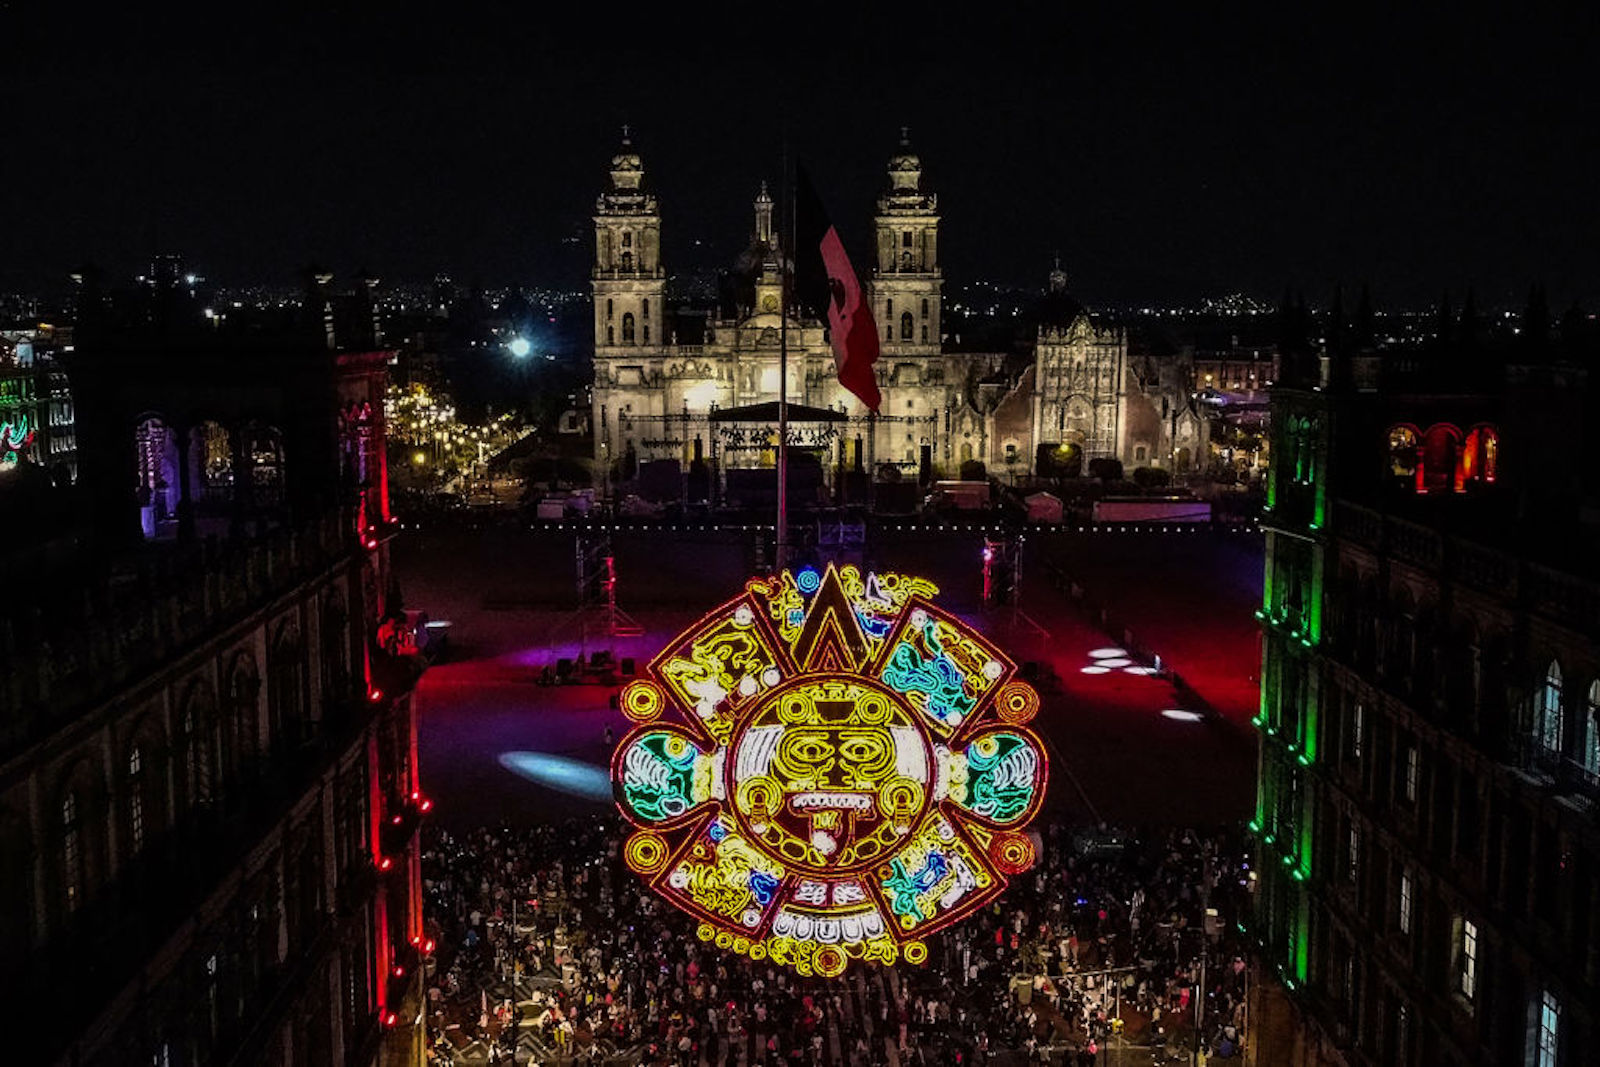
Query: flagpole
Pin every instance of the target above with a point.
(787, 196)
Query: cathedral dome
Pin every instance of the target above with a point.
(905, 166)
(627, 169)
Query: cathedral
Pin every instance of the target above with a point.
(697, 388)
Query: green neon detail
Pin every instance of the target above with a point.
(1300, 940)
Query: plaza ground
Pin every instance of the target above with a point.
(499, 748)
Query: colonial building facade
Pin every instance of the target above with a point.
(1430, 719)
(701, 387)
(208, 779)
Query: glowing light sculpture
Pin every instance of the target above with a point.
(829, 768)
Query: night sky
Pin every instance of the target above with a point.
(1166, 154)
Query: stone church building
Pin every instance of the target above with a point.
(686, 385)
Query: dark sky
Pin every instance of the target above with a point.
(1168, 153)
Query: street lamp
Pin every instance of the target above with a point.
(519, 347)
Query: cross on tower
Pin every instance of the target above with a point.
(905, 135)
(625, 132)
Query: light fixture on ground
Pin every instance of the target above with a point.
(1181, 715)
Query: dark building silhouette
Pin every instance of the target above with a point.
(1429, 867)
(208, 783)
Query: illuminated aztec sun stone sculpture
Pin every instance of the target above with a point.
(827, 768)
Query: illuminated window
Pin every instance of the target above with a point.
(627, 328)
(135, 799)
(71, 854)
(1550, 710)
(1411, 774)
(1467, 958)
(1353, 854)
(1549, 1030)
(1357, 714)
(1405, 902)
(211, 456)
(263, 446)
(1591, 732)
(1478, 459)
(1403, 452)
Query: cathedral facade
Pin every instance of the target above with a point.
(670, 386)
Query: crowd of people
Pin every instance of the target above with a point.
(548, 944)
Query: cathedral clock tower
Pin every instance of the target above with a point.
(630, 285)
(906, 279)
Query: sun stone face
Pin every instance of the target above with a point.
(829, 768)
(830, 775)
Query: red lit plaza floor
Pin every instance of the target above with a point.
(498, 747)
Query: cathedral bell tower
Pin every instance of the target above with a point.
(630, 285)
(906, 279)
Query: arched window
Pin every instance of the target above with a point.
(647, 333)
(244, 686)
(1436, 459)
(611, 335)
(194, 741)
(905, 326)
(646, 310)
(264, 452)
(888, 331)
(158, 486)
(888, 309)
(135, 800)
(1550, 710)
(924, 333)
(285, 700)
(627, 328)
(1478, 459)
(905, 261)
(210, 463)
(924, 309)
(1591, 732)
(627, 238)
(1403, 453)
(627, 261)
(905, 239)
(72, 872)
(610, 307)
